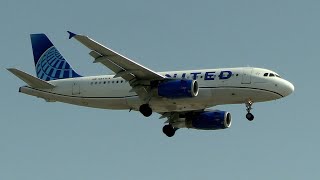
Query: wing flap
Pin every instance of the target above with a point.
(115, 68)
(95, 54)
(31, 80)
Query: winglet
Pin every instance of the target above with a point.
(71, 34)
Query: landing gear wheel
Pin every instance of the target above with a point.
(250, 116)
(168, 130)
(145, 110)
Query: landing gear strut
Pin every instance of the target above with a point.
(145, 110)
(249, 116)
(169, 130)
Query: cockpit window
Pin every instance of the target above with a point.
(271, 75)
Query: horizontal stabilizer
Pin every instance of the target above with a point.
(31, 80)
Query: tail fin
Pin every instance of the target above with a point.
(49, 63)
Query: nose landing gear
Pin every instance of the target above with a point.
(249, 116)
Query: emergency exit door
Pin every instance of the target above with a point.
(75, 89)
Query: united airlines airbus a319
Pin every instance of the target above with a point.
(182, 97)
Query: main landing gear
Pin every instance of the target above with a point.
(249, 116)
(145, 110)
(169, 130)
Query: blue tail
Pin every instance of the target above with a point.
(49, 63)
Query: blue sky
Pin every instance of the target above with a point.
(40, 140)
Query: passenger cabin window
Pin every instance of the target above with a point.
(266, 74)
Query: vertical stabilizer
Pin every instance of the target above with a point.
(49, 63)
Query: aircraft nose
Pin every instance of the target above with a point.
(288, 88)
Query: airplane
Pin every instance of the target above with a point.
(184, 98)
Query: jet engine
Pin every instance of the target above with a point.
(209, 120)
(178, 88)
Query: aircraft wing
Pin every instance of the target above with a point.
(121, 65)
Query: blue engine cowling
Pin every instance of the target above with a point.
(210, 120)
(178, 88)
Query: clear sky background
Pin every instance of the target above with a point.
(51, 141)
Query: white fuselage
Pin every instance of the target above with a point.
(114, 93)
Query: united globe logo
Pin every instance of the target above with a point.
(51, 65)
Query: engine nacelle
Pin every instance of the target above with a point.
(178, 88)
(210, 120)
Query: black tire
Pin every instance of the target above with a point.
(249, 116)
(145, 110)
(168, 130)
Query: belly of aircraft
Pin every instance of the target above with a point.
(206, 98)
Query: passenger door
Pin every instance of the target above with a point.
(246, 75)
